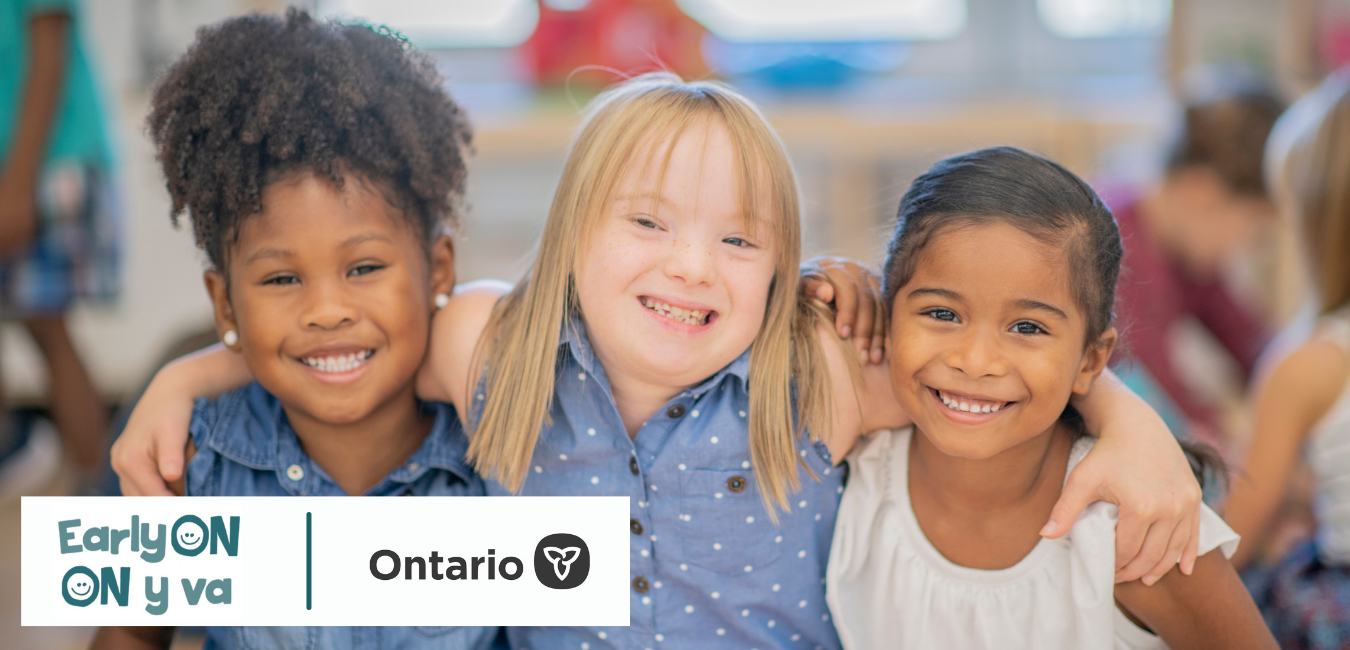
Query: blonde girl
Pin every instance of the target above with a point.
(657, 350)
(1302, 406)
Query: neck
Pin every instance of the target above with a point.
(638, 400)
(358, 455)
(1030, 474)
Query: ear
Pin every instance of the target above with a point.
(443, 265)
(1094, 360)
(220, 302)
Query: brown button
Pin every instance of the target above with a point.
(636, 526)
(633, 466)
(640, 585)
(675, 411)
(736, 483)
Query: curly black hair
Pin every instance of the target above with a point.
(259, 96)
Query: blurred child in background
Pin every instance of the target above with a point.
(58, 231)
(1302, 406)
(1210, 206)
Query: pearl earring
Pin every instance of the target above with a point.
(231, 338)
(442, 300)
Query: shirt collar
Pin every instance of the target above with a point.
(578, 343)
(262, 438)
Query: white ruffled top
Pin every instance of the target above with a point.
(888, 587)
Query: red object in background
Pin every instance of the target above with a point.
(1336, 43)
(627, 36)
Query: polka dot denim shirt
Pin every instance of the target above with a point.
(708, 569)
(246, 447)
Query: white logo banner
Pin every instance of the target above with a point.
(325, 561)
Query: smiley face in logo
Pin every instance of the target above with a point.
(79, 587)
(189, 535)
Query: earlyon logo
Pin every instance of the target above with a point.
(562, 561)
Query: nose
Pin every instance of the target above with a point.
(978, 353)
(691, 261)
(327, 306)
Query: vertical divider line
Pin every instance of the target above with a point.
(309, 561)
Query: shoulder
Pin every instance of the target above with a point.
(1309, 379)
(457, 328)
(238, 428)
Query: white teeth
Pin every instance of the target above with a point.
(958, 405)
(344, 363)
(686, 316)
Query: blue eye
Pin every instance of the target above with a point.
(1028, 328)
(365, 269)
(736, 241)
(282, 280)
(644, 222)
(945, 315)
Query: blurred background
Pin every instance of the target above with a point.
(865, 93)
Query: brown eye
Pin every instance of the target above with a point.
(1029, 329)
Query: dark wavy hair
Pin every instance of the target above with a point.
(259, 96)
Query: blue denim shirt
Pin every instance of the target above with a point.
(708, 567)
(246, 447)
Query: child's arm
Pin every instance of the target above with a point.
(132, 638)
(150, 449)
(1289, 402)
(48, 33)
(1208, 609)
(855, 292)
(1137, 465)
(447, 374)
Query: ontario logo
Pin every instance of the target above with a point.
(561, 561)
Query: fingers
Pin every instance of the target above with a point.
(1181, 537)
(866, 322)
(1192, 551)
(1072, 501)
(1152, 555)
(170, 460)
(815, 284)
(880, 317)
(846, 307)
(137, 474)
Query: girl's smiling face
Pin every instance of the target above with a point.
(987, 341)
(330, 292)
(674, 284)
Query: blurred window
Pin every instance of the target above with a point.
(780, 21)
(446, 23)
(1105, 18)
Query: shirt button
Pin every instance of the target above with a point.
(675, 411)
(640, 585)
(633, 466)
(295, 472)
(636, 526)
(736, 483)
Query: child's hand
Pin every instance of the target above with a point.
(855, 292)
(150, 450)
(1137, 465)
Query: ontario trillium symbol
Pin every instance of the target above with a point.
(562, 559)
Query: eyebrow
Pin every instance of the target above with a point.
(932, 291)
(277, 253)
(1037, 305)
(645, 196)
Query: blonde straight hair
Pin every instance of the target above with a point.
(520, 344)
(1317, 171)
